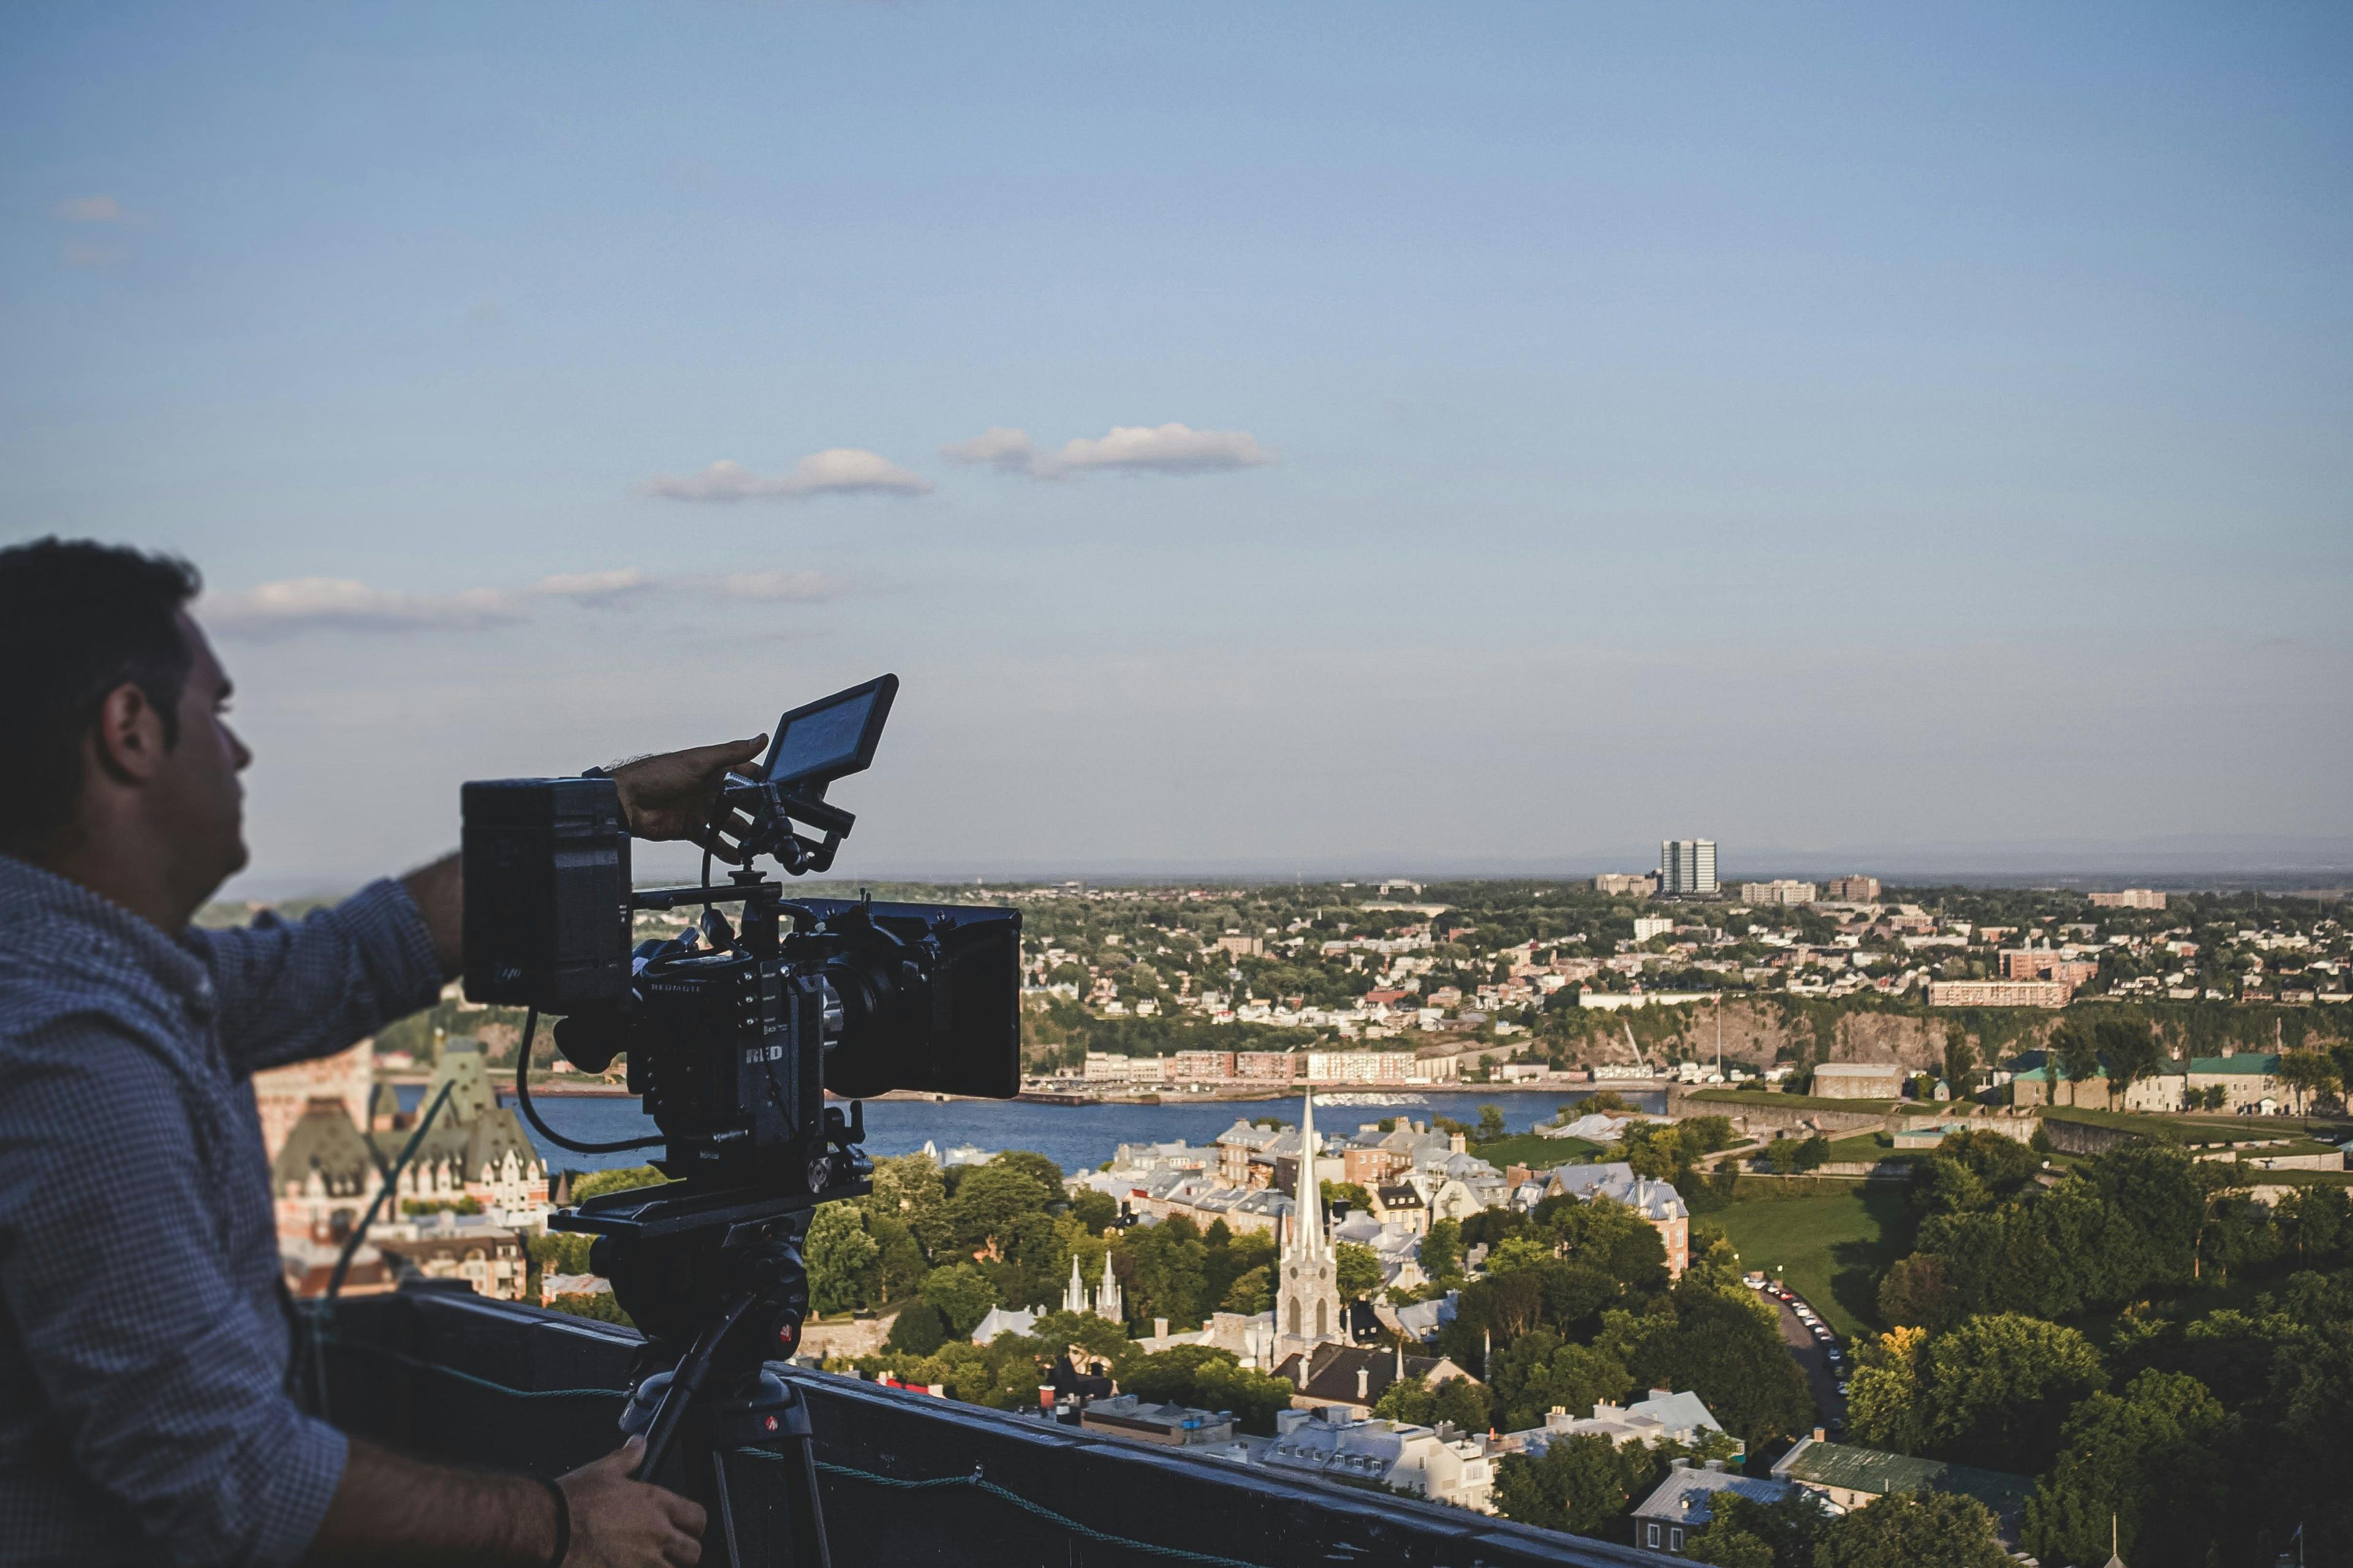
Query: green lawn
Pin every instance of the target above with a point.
(1537, 1153)
(1832, 1241)
(1772, 1098)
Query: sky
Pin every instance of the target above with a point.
(1260, 438)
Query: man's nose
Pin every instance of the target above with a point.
(239, 750)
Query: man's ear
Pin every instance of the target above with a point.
(129, 738)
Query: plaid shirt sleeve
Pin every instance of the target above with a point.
(292, 991)
(111, 1281)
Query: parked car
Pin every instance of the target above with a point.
(1842, 1388)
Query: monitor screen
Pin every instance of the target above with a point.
(824, 742)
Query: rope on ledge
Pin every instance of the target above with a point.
(975, 1480)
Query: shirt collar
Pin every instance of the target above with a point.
(43, 911)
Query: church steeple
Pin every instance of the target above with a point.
(1107, 1298)
(1307, 1298)
(1074, 1295)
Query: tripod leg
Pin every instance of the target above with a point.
(726, 1509)
(806, 1520)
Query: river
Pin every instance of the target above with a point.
(1075, 1137)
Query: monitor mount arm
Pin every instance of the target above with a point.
(774, 808)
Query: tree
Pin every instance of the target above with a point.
(2150, 1460)
(1585, 1486)
(1538, 1372)
(2309, 1073)
(1727, 1350)
(1960, 1061)
(1883, 1401)
(1742, 1532)
(1098, 1212)
(1357, 1269)
(2129, 1046)
(1935, 1530)
(988, 1199)
(1914, 1293)
(909, 1189)
(962, 1295)
(1252, 1291)
(1441, 1250)
(842, 1259)
(596, 1183)
(1047, 1175)
(2074, 1054)
(1415, 1401)
(1995, 1391)
(918, 1330)
(1491, 1123)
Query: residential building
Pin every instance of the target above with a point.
(1681, 1505)
(1998, 994)
(2130, 899)
(1170, 1425)
(1275, 1066)
(1648, 926)
(1852, 1477)
(1665, 1417)
(1687, 866)
(1201, 1067)
(1780, 891)
(1856, 889)
(1859, 1081)
(1438, 1463)
(1639, 884)
(1655, 1201)
(1356, 1376)
(2047, 963)
(284, 1095)
(489, 1257)
(1242, 946)
(1020, 1321)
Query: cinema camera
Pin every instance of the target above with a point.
(732, 1035)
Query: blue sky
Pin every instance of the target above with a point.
(1828, 428)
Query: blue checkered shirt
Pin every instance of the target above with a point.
(143, 1411)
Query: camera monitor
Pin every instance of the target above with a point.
(832, 737)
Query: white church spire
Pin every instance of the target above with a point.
(1107, 1298)
(1307, 1296)
(1074, 1295)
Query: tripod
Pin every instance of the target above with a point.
(717, 1395)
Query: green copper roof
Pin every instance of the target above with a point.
(1872, 1471)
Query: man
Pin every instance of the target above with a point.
(143, 1339)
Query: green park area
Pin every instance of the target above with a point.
(1829, 1241)
(1537, 1153)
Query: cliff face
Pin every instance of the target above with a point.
(1759, 1033)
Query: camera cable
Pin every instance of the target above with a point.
(530, 1112)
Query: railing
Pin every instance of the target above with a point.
(906, 1479)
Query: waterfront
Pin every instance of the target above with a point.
(1076, 1137)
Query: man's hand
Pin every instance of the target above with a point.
(671, 795)
(618, 1522)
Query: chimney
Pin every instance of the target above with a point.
(1820, 1435)
(1663, 1393)
(1716, 1464)
(1159, 1327)
(1045, 1396)
(1363, 1385)
(1679, 1464)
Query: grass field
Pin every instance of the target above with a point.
(1831, 1242)
(1537, 1153)
(1778, 1102)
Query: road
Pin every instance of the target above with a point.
(1812, 1357)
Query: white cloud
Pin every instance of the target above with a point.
(306, 604)
(779, 588)
(837, 470)
(595, 589)
(1164, 449)
(1136, 448)
(96, 209)
(996, 446)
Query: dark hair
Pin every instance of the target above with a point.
(79, 619)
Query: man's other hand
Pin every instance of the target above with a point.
(618, 1522)
(671, 795)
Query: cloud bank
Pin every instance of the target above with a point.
(837, 470)
(341, 604)
(304, 603)
(1169, 448)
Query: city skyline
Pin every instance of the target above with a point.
(1841, 431)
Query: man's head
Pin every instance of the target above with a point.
(113, 747)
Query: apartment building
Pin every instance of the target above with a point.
(1780, 891)
(1687, 866)
(1855, 889)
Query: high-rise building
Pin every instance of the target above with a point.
(1855, 889)
(1687, 866)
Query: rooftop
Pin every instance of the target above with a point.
(1877, 1473)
